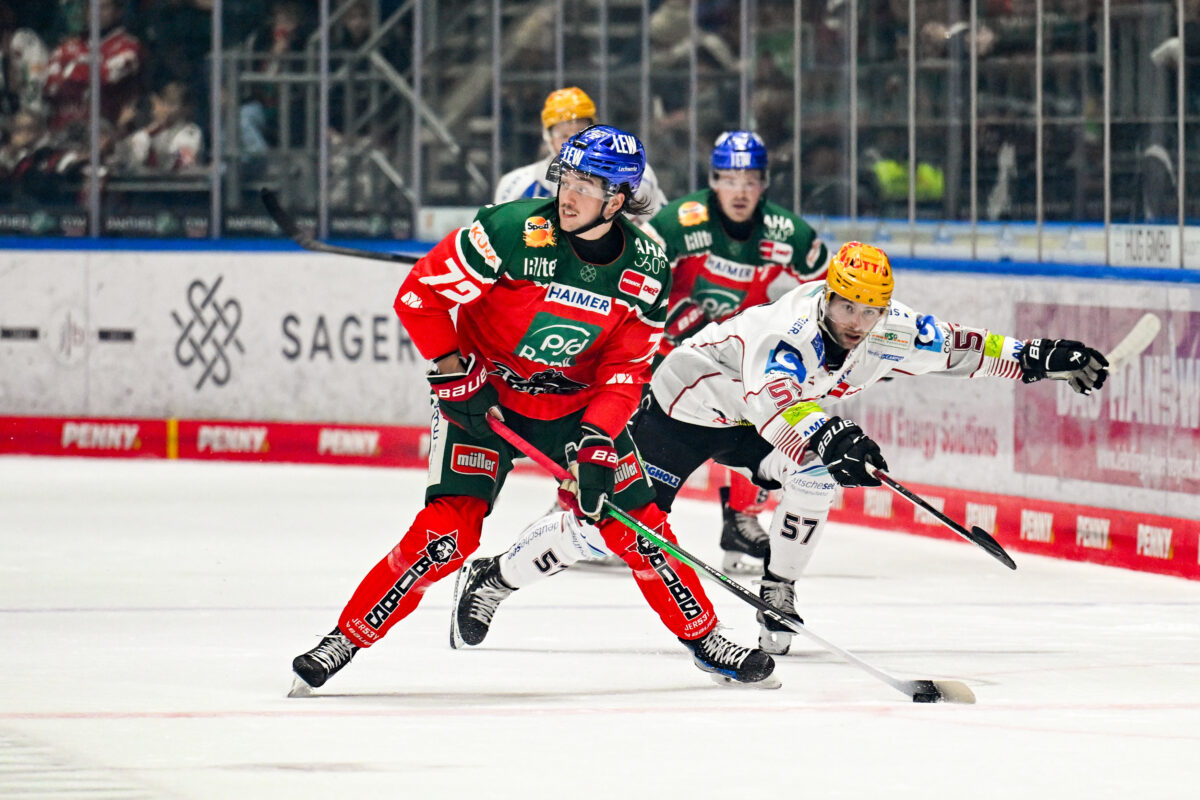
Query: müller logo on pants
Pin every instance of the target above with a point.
(627, 472)
(467, 459)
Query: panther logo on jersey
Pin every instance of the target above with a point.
(548, 381)
(539, 232)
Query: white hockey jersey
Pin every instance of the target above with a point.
(766, 366)
(530, 181)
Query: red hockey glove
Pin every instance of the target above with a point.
(593, 465)
(1063, 360)
(846, 452)
(465, 397)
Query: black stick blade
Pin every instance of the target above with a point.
(994, 548)
(942, 691)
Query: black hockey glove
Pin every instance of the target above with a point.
(593, 465)
(1063, 360)
(847, 451)
(465, 397)
(684, 320)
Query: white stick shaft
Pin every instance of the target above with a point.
(1135, 342)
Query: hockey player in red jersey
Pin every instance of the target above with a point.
(560, 308)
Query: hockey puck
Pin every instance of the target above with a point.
(925, 697)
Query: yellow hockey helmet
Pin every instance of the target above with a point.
(567, 104)
(861, 273)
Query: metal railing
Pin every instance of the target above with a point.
(917, 120)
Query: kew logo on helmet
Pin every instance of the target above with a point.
(573, 156)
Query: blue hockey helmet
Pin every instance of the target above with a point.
(739, 150)
(604, 152)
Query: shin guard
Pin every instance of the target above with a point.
(671, 588)
(444, 533)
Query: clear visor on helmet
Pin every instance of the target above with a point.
(747, 180)
(848, 312)
(579, 182)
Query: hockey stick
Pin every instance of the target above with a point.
(1138, 339)
(920, 691)
(976, 535)
(287, 224)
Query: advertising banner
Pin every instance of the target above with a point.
(263, 336)
(1142, 429)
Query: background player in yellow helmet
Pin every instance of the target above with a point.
(565, 113)
(757, 393)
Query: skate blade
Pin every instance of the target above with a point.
(456, 640)
(741, 564)
(773, 649)
(770, 682)
(299, 687)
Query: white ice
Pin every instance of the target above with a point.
(150, 611)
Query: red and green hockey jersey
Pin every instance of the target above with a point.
(724, 275)
(557, 334)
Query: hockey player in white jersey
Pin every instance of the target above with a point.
(757, 392)
(565, 113)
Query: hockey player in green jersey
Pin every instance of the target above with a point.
(545, 314)
(730, 248)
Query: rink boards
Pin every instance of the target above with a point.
(299, 357)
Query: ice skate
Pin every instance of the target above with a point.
(773, 637)
(731, 664)
(478, 591)
(743, 540)
(318, 665)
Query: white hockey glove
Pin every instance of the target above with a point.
(1063, 360)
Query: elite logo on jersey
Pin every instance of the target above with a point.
(539, 232)
(556, 341)
(775, 252)
(466, 459)
(692, 213)
(643, 287)
(578, 298)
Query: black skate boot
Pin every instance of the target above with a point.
(773, 637)
(478, 591)
(742, 538)
(731, 664)
(319, 664)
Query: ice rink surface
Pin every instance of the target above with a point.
(150, 611)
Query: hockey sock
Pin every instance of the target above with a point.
(671, 588)
(444, 533)
(745, 497)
